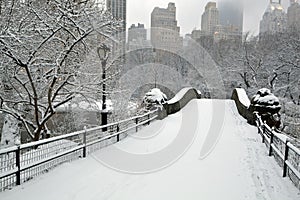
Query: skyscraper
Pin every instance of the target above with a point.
(210, 18)
(293, 15)
(118, 10)
(274, 19)
(165, 33)
(137, 32)
(137, 37)
(231, 13)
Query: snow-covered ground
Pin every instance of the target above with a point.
(238, 167)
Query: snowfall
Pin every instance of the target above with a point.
(230, 164)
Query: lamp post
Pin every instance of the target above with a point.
(103, 51)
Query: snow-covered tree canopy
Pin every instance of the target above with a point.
(42, 47)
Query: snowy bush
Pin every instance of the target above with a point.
(264, 98)
(154, 97)
(268, 106)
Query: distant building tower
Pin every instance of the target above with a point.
(293, 15)
(274, 19)
(137, 32)
(118, 10)
(137, 37)
(165, 33)
(231, 13)
(210, 18)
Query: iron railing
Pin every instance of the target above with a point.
(286, 154)
(19, 164)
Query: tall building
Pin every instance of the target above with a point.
(165, 33)
(210, 18)
(137, 32)
(137, 37)
(231, 13)
(293, 15)
(118, 10)
(274, 19)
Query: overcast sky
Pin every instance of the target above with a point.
(189, 12)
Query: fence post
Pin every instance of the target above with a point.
(263, 134)
(286, 155)
(148, 119)
(271, 142)
(84, 142)
(118, 130)
(136, 122)
(18, 165)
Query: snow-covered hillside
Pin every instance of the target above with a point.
(237, 168)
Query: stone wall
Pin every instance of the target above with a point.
(238, 95)
(180, 100)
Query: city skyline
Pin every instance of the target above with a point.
(189, 15)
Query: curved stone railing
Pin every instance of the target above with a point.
(181, 99)
(242, 103)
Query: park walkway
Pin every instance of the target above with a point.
(230, 165)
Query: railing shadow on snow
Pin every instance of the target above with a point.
(279, 145)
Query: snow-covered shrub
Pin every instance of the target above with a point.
(154, 97)
(268, 106)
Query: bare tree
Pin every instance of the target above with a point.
(43, 45)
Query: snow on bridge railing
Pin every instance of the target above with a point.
(286, 154)
(19, 164)
(181, 99)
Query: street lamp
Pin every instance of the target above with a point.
(103, 51)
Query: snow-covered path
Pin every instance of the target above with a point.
(238, 167)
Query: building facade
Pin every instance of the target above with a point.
(165, 33)
(210, 18)
(137, 32)
(137, 37)
(274, 19)
(231, 13)
(293, 15)
(118, 10)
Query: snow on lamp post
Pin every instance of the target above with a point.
(103, 51)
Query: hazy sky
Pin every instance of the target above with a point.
(189, 12)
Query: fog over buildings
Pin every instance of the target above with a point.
(189, 14)
(231, 12)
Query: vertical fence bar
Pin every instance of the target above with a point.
(118, 130)
(84, 142)
(286, 155)
(18, 165)
(136, 122)
(263, 134)
(271, 142)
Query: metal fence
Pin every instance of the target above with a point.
(19, 164)
(285, 153)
